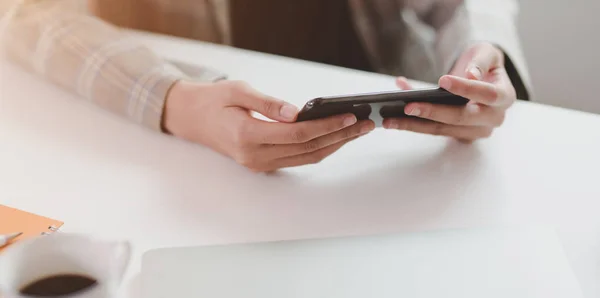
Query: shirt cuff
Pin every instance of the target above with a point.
(155, 98)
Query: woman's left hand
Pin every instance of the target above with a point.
(479, 75)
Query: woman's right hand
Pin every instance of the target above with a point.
(218, 115)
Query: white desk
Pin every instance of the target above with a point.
(102, 175)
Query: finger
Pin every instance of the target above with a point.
(438, 129)
(361, 128)
(296, 133)
(310, 158)
(486, 58)
(470, 114)
(478, 91)
(403, 84)
(246, 97)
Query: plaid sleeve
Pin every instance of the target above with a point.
(57, 40)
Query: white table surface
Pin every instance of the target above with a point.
(64, 158)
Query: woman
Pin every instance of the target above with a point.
(470, 47)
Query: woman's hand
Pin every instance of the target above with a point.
(218, 115)
(479, 75)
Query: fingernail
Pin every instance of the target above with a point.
(476, 72)
(446, 83)
(415, 112)
(288, 111)
(366, 129)
(350, 120)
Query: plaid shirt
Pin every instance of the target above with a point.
(62, 42)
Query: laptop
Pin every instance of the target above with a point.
(473, 263)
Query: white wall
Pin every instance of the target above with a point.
(561, 39)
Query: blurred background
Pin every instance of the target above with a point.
(561, 41)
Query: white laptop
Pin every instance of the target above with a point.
(491, 263)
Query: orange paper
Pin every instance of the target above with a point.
(31, 225)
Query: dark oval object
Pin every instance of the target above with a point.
(58, 285)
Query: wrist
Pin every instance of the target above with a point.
(183, 96)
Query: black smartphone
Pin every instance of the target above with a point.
(376, 106)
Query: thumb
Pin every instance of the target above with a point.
(485, 59)
(267, 106)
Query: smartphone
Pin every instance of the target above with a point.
(376, 106)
